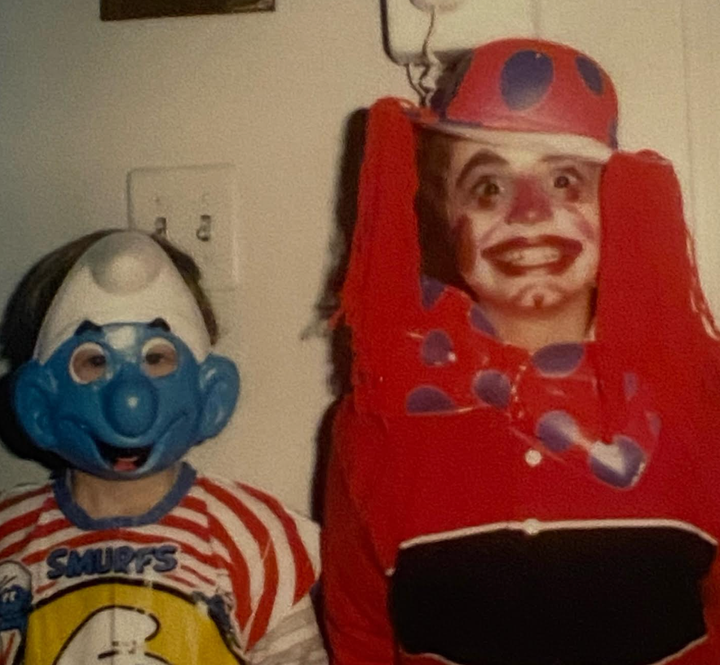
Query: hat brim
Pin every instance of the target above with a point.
(571, 145)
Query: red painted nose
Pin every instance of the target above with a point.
(530, 203)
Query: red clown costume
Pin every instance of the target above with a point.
(491, 506)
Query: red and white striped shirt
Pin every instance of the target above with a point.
(229, 556)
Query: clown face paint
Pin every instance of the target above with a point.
(525, 224)
(125, 400)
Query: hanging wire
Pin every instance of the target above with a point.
(423, 75)
(413, 76)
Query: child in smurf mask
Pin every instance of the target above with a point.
(129, 554)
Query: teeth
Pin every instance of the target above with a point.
(532, 256)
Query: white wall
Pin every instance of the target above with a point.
(663, 56)
(701, 26)
(82, 102)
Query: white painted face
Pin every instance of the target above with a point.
(525, 223)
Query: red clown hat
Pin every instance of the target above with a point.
(528, 91)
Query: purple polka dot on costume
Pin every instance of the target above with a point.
(525, 79)
(557, 430)
(493, 388)
(619, 464)
(630, 385)
(431, 290)
(558, 359)
(480, 322)
(428, 399)
(590, 74)
(654, 423)
(437, 349)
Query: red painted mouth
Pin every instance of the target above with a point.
(519, 256)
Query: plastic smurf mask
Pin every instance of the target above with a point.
(122, 384)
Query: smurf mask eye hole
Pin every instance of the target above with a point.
(159, 357)
(88, 363)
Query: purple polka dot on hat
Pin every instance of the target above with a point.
(590, 74)
(525, 79)
(613, 134)
(437, 349)
(446, 93)
(493, 388)
(557, 430)
(428, 399)
(558, 359)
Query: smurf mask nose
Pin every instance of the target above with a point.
(125, 277)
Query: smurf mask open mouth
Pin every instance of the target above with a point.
(124, 460)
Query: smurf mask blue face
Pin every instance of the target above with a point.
(124, 399)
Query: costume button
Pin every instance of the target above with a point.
(531, 527)
(533, 457)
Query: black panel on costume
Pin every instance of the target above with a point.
(571, 596)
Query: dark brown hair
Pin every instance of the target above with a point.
(437, 244)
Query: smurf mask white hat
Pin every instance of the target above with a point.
(125, 277)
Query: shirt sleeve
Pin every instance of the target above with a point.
(271, 556)
(295, 640)
(354, 583)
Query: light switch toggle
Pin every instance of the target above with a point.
(161, 226)
(204, 230)
(194, 207)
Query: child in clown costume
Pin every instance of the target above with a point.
(527, 471)
(129, 555)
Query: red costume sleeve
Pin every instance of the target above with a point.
(354, 581)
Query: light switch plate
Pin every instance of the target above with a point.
(194, 207)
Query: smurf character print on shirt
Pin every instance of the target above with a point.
(15, 604)
(131, 630)
(199, 580)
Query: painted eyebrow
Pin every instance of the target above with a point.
(576, 171)
(559, 158)
(572, 162)
(159, 323)
(86, 326)
(482, 158)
